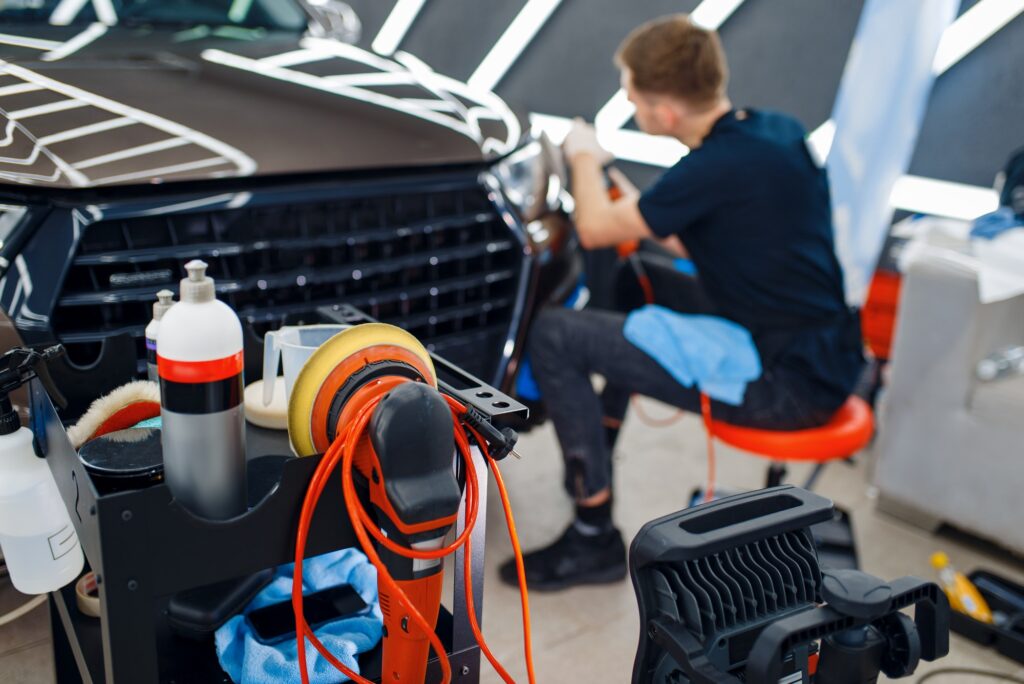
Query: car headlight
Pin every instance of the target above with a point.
(533, 178)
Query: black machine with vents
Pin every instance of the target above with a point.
(732, 592)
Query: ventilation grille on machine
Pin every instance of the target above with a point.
(741, 586)
(438, 262)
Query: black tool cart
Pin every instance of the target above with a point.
(145, 549)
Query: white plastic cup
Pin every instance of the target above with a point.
(293, 344)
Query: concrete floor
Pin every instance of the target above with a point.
(590, 634)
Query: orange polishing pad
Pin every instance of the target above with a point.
(119, 410)
(329, 368)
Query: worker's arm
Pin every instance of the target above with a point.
(672, 243)
(601, 221)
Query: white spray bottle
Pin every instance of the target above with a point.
(38, 540)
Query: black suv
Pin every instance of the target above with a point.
(136, 135)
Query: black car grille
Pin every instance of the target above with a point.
(440, 263)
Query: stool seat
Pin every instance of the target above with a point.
(847, 432)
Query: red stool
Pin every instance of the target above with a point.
(848, 432)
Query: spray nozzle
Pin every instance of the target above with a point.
(17, 367)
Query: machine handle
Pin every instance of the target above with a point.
(931, 617)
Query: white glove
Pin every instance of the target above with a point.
(582, 138)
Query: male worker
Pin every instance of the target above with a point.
(752, 209)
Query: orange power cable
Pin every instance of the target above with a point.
(705, 411)
(343, 451)
(517, 553)
(676, 416)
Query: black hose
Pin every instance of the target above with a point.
(970, 671)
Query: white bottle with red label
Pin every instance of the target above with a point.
(200, 363)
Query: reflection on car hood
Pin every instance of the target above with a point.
(89, 106)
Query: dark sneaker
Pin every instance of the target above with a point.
(573, 559)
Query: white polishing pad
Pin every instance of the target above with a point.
(274, 416)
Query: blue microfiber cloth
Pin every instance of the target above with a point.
(992, 225)
(716, 355)
(247, 661)
(685, 266)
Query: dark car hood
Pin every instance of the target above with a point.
(142, 105)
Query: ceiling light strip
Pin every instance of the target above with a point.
(398, 23)
(973, 28)
(960, 38)
(656, 150)
(711, 14)
(820, 140)
(517, 36)
(942, 198)
(626, 145)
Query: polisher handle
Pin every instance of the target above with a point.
(406, 648)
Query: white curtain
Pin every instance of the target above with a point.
(878, 112)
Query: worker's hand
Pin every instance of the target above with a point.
(582, 139)
(623, 183)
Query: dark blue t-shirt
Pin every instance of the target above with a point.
(753, 210)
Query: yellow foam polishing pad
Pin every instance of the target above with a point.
(353, 349)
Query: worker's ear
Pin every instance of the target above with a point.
(667, 113)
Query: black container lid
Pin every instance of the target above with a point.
(130, 453)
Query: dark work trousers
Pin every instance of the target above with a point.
(673, 290)
(567, 346)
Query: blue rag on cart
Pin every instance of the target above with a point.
(248, 661)
(715, 354)
(993, 225)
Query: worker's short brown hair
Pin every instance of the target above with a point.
(673, 56)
